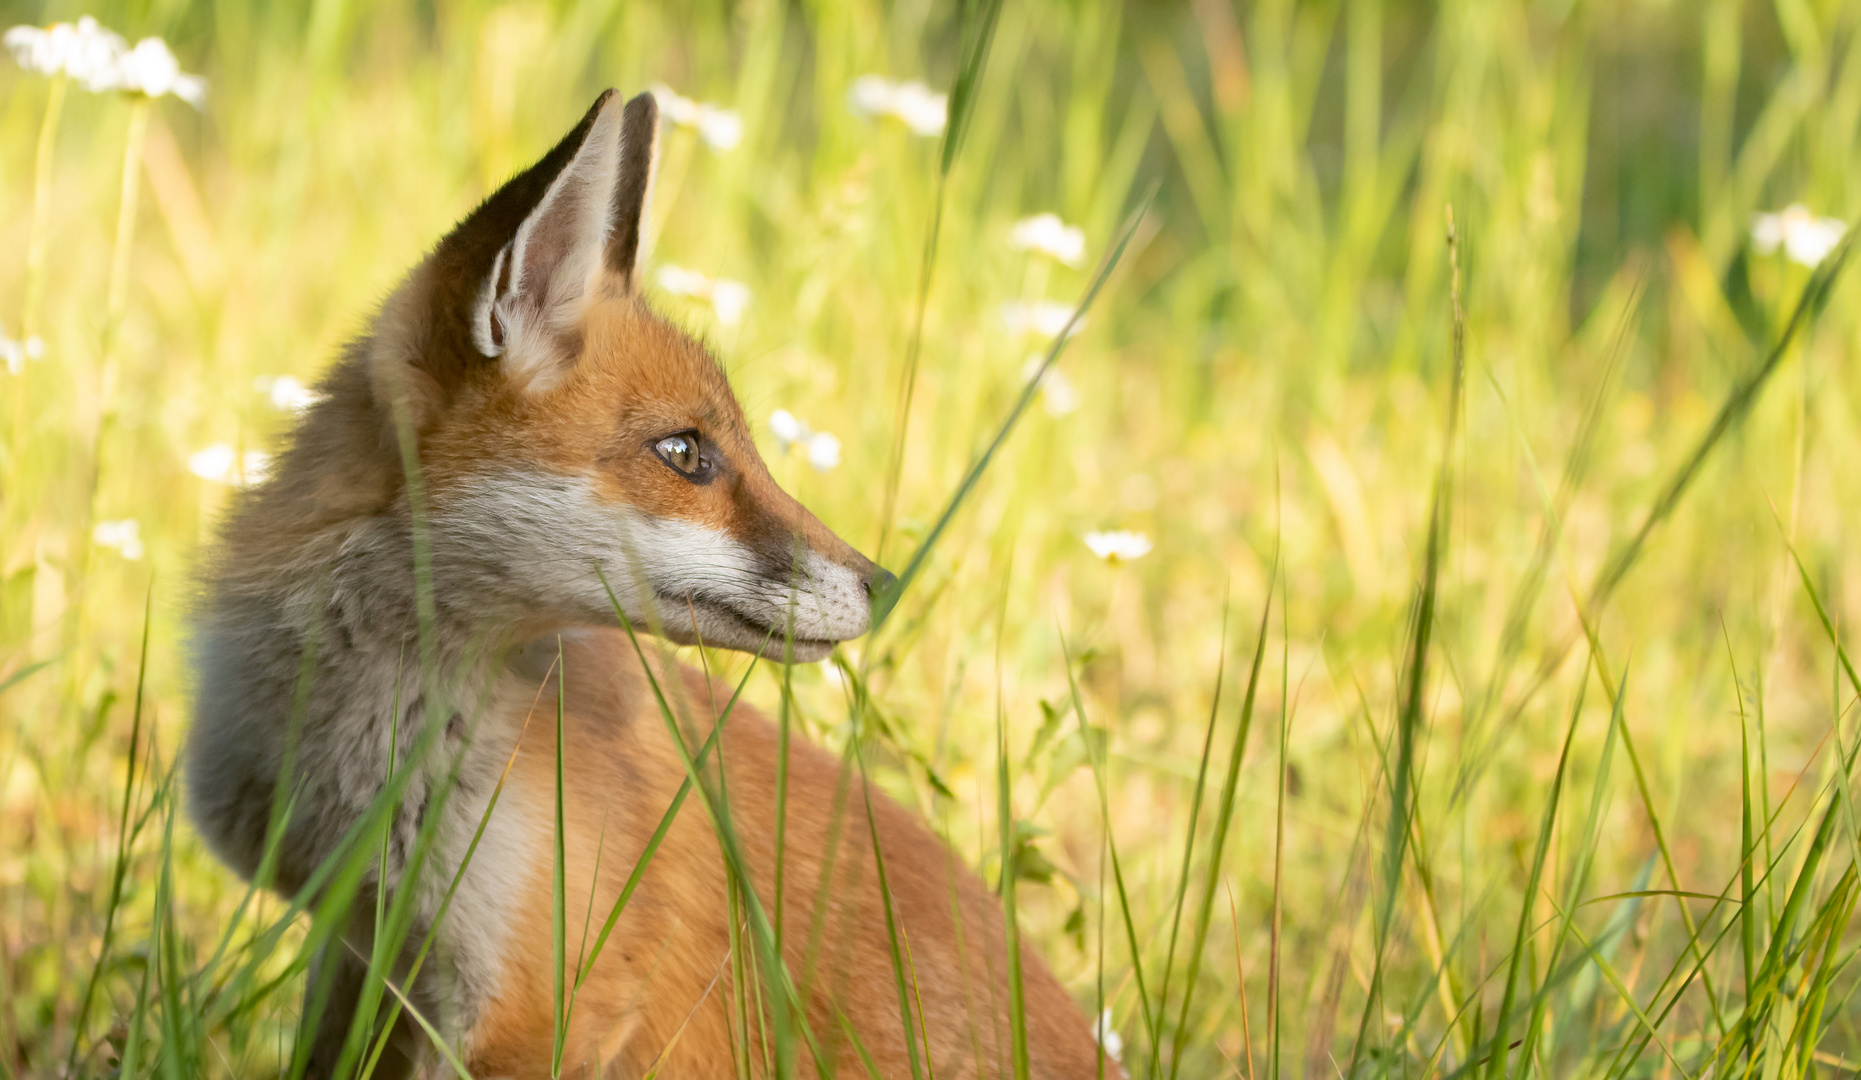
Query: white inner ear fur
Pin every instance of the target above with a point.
(550, 268)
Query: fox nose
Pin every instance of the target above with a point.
(879, 582)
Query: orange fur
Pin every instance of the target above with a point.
(661, 995)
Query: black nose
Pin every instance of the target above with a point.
(880, 581)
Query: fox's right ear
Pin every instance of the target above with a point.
(508, 286)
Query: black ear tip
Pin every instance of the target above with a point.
(643, 107)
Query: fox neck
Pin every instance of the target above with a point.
(360, 639)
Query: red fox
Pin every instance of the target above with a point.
(575, 452)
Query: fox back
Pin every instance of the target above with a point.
(517, 460)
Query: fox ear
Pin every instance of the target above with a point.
(639, 150)
(538, 283)
(587, 222)
(505, 289)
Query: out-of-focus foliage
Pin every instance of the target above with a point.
(1264, 386)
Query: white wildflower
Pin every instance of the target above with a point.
(83, 50)
(821, 447)
(222, 464)
(1118, 547)
(720, 128)
(787, 430)
(1057, 392)
(823, 451)
(1043, 318)
(1804, 237)
(151, 69)
(730, 299)
(16, 353)
(1107, 1037)
(124, 537)
(287, 393)
(918, 107)
(101, 60)
(1048, 235)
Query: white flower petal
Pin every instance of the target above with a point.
(1048, 235)
(787, 430)
(124, 537)
(870, 95)
(221, 464)
(1117, 547)
(1766, 232)
(213, 463)
(823, 451)
(682, 282)
(1804, 237)
(1107, 1037)
(286, 392)
(730, 299)
(1043, 318)
(918, 107)
(720, 128)
(84, 50)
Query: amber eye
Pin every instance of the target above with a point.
(681, 452)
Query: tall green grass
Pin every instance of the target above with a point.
(1436, 494)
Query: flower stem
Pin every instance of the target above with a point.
(41, 195)
(115, 304)
(35, 269)
(126, 213)
(118, 297)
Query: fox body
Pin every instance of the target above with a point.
(576, 454)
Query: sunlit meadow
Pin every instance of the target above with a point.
(1428, 565)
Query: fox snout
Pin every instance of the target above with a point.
(774, 581)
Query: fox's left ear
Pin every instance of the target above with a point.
(582, 236)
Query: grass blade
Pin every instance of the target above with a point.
(1224, 817)
(121, 867)
(885, 600)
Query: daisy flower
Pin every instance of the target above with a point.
(730, 299)
(83, 50)
(222, 464)
(1042, 318)
(918, 107)
(101, 61)
(1118, 547)
(821, 447)
(287, 393)
(124, 537)
(720, 128)
(1047, 235)
(15, 353)
(1107, 1038)
(1804, 237)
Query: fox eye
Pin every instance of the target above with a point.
(682, 452)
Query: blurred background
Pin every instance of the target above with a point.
(1544, 767)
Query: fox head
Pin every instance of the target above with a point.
(572, 442)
